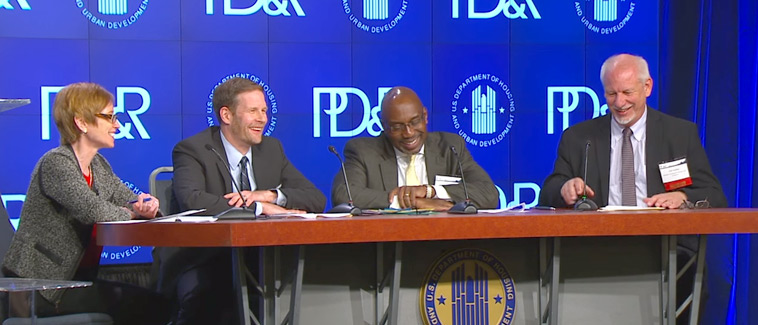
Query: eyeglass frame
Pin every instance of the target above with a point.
(702, 204)
(112, 117)
(399, 127)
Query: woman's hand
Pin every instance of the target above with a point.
(145, 207)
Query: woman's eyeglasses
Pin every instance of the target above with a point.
(109, 117)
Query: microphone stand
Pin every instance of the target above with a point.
(585, 204)
(463, 207)
(344, 207)
(234, 212)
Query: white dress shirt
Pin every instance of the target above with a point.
(403, 160)
(234, 156)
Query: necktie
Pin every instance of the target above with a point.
(628, 188)
(410, 174)
(244, 178)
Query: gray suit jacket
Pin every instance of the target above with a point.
(372, 171)
(59, 213)
(200, 181)
(668, 138)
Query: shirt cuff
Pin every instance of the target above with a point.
(258, 208)
(281, 199)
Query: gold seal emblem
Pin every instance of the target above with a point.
(467, 287)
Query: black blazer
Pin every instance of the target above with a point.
(667, 138)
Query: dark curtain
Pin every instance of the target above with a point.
(708, 74)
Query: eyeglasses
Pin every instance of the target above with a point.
(111, 117)
(398, 127)
(702, 204)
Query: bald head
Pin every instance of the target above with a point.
(404, 119)
(399, 95)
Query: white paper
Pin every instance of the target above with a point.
(394, 204)
(628, 208)
(308, 215)
(521, 207)
(443, 180)
(172, 217)
(187, 219)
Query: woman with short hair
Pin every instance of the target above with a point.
(72, 187)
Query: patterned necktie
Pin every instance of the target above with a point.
(628, 188)
(410, 174)
(244, 179)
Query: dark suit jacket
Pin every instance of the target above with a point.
(372, 171)
(201, 179)
(667, 138)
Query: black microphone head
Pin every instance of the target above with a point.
(208, 147)
(453, 149)
(333, 150)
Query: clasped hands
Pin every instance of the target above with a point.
(409, 197)
(574, 188)
(264, 197)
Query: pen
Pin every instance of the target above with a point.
(542, 207)
(135, 201)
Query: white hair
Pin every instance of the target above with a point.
(642, 68)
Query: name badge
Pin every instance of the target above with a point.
(443, 180)
(675, 174)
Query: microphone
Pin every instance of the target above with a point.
(344, 207)
(585, 204)
(234, 212)
(464, 207)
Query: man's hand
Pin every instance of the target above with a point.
(668, 200)
(250, 197)
(434, 204)
(574, 188)
(408, 195)
(270, 208)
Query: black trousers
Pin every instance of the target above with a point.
(205, 293)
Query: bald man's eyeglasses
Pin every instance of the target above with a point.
(399, 127)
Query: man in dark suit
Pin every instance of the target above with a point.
(408, 165)
(652, 138)
(655, 138)
(200, 278)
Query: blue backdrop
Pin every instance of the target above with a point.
(325, 66)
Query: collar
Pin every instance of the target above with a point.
(638, 128)
(232, 154)
(400, 154)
